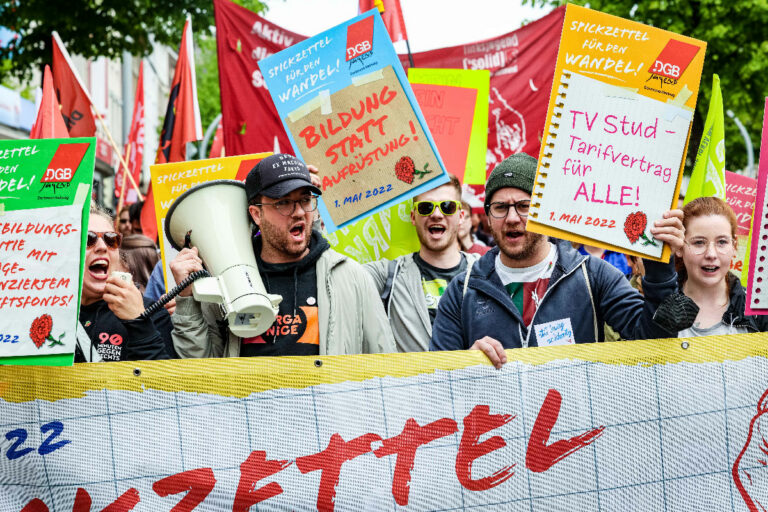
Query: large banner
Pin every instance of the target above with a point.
(678, 424)
(522, 64)
(45, 189)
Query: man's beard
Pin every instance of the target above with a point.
(522, 251)
(280, 240)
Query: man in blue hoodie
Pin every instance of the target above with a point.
(531, 291)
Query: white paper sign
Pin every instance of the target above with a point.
(39, 273)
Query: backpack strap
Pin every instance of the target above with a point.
(386, 292)
(466, 278)
(591, 299)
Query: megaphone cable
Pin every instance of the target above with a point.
(168, 297)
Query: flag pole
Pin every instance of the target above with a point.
(122, 160)
(410, 55)
(57, 41)
(122, 191)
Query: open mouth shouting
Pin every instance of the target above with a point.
(436, 231)
(710, 270)
(99, 269)
(513, 235)
(298, 232)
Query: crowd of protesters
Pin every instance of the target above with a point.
(480, 280)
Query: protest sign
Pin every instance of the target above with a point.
(757, 291)
(348, 109)
(480, 81)
(44, 203)
(387, 234)
(617, 129)
(595, 426)
(169, 181)
(740, 194)
(448, 112)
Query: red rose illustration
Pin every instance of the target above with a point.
(405, 170)
(634, 228)
(40, 331)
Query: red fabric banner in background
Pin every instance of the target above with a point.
(74, 99)
(49, 123)
(392, 17)
(135, 138)
(522, 65)
(249, 118)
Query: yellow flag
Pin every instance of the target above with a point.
(708, 176)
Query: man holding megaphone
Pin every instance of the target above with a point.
(329, 303)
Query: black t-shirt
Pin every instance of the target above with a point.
(435, 280)
(295, 331)
(126, 340)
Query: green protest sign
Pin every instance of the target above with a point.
(44, 203)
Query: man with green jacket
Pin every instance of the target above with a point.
(329, 304)
(411, 285)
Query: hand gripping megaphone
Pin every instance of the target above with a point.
(213, 217)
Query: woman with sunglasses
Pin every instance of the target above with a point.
(703, 268)
(110, 307)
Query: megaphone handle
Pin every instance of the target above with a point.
(188, 240)
(168, 297)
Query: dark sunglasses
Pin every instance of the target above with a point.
(425, 208)
(111, 239)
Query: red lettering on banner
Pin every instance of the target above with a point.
(197, 483)
(476, 423)
(405, 445)
(539, 456)
(36, 505)
(255, 468)
(330, 460)
(200, 482)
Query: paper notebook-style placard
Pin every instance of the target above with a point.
(617, 130)
(757, 284)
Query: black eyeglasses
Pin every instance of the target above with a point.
(500, 210)
(288, 206)
(111, 239)
(425, 208)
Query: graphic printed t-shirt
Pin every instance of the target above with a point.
(435, 280)
(295, 331)
(527, 285)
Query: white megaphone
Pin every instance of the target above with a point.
(213, 217)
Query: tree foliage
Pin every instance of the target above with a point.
(737, 50)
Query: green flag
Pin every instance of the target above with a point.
(708, 176)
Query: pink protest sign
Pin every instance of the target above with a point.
(449, 112)
(740, 193)
(757, 287)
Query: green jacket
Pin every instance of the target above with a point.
(407, 307)
(351, 318)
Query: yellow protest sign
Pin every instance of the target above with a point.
(169, 181)
(617, 131)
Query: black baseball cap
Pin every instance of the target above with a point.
(277, 176)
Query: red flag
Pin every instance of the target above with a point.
(49, 123)
(135, 138)
(251, 123)
(182, 123)
(392, 15)
(73, 97)
(217, 148)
